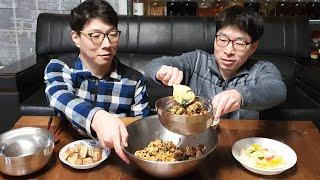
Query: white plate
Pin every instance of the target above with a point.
(288, 155)
(89, 143)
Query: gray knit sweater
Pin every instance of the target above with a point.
(259, 83)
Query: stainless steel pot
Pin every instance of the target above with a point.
(25, 150)
(148, 129)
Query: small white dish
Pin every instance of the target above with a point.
(288, 155)
(89, 143)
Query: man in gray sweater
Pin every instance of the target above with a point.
(238, 87)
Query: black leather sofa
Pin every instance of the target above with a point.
(285, 43)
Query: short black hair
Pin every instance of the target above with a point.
(243, 18)
(90, 9)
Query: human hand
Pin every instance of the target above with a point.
(111, 132)
(225, 102)
(169, 75)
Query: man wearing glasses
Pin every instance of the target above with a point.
(238, 87)
(97, 89)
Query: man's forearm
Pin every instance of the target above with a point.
(260, 97)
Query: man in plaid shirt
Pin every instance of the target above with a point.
(98, 89)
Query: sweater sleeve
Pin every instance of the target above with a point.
(185, 62)
(268, 91)
(61, 95)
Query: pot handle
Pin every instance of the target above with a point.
(215, 123)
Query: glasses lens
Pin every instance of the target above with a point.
(113, 36)
(239, 45)
(97, 38)
(222, 41)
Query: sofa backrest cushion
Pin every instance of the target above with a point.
(286, 36)
(53, 35)
(147, 35)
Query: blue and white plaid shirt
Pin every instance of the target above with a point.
(77, 95)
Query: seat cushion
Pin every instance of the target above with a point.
(298, 106)
(37, 105)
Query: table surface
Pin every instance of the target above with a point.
(302, 136)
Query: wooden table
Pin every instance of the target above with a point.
(302, 136)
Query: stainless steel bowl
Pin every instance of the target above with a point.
(25, 150)
(148, 129)
(184, 124)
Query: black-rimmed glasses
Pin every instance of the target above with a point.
(239, 45)
(98, 37)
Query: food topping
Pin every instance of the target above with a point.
(82, 154)
(183, 94)
(192, 109)
(262, 157)
(186, 103)
(166, 151)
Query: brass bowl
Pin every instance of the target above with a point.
(184, 124)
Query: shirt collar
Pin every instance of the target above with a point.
(81, 70)
(215, 68)
(115, 70)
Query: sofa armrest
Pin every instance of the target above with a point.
(14, 79)
(37, 105)
(8, 74)
(24, 76)
(307, 77)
